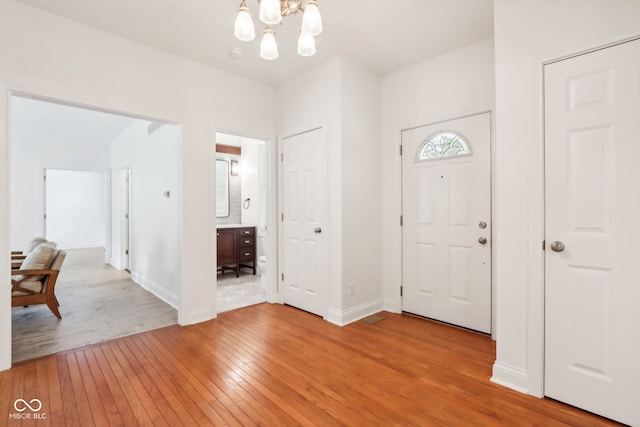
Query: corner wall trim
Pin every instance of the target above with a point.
(510, 377)
(344, 317)
(196, 316)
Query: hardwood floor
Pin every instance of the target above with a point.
(274, 365)
(97, 303)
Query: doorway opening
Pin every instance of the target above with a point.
(242, 235)
(80, 206)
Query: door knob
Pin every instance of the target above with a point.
(482, 225)
(557, 246)
(317, 230)
(482, 240)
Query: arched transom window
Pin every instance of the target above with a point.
(442, 145)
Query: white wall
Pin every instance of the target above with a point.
(76, 206)
(250, 182)
(526, 35)
(361, 197)
(452, 85)
(54, 57)
(343, 98)
(31, 153)
(154, 240)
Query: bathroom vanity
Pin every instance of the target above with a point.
(236, 245)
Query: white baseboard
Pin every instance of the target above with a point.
(196, 316)
(169, 297)
(393, 305)
(510, 377)
(344, 317)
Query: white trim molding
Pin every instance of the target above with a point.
(5, 294)
(343, 318)
(513, 378)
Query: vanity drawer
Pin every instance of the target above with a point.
(246, 254)
(246, 232)
(247, 241)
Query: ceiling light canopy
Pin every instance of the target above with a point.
(271, 13)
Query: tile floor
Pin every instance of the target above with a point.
(239, 292)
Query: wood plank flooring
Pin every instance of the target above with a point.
(97, 303)
(273, 365)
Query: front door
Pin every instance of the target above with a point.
(592, 274)
(446, 193)
(305, 257)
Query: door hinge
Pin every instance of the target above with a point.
(543, 244)
(282, 157)
(401, 149)
(282, 277)
(45, 216)
(401, 221)
(126, 216)
(401, 290)
(282, 217)
(126, 252)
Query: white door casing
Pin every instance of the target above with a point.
(592, 287)
(446, 269)
(305, 256)
(125, 226)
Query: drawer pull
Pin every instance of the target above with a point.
(247, 241)
(247, 232)
(247, 253)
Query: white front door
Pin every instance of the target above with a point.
(446, 193)
(592, 263)
(305, 256)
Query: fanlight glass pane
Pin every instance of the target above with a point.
(443, 144)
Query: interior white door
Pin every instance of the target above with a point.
(446, 223)
(305, 257)
(592, 275)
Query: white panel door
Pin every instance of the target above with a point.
(305, 212)
(446, 231)
(592, 286)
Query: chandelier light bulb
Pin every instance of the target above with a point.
(270, 12)
(311, 20)
(268, 46)
(244, 29)
(306, 44)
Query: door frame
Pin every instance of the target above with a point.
(7, 91)
(125, 216)
(271, 204)
(492, 213)
(532, 381)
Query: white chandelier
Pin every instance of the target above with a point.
(271, 13)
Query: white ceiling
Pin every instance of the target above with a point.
(57, 122)
(382, 35)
